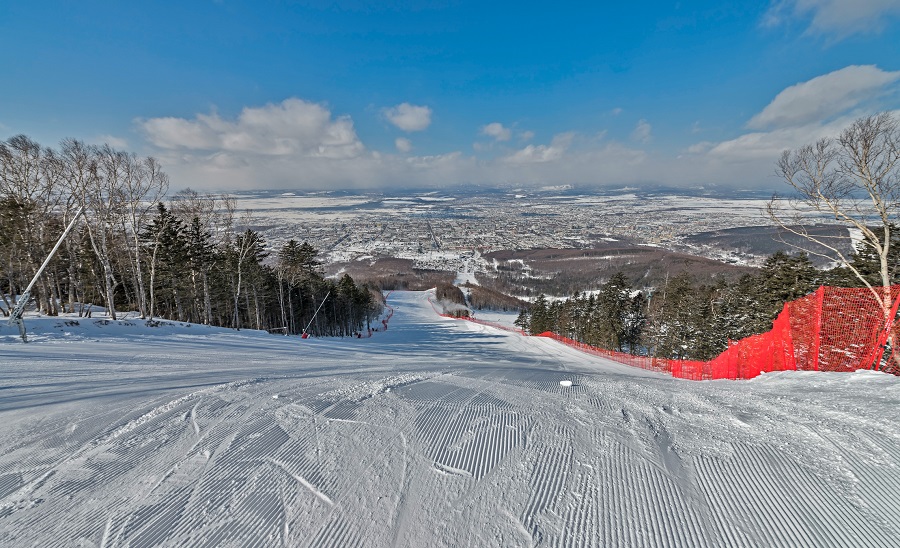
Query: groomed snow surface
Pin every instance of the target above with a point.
(437, 432)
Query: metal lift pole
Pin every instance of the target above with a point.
(15, 318)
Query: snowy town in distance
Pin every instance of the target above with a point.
(450, 230)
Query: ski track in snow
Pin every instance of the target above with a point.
(434, 433)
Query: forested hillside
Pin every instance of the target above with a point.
(188, 259)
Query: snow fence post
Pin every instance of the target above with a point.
(820, 300)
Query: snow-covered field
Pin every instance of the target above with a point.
(435, 433)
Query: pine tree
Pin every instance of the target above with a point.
(783, 278)
(614, 302)
(201, 257)
(164, 242)
(741, 312)
(540, 316)
(635, 323)
(522, 320)
(674, 319)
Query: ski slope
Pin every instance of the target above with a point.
(436, 432)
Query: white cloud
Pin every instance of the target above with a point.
(700, 148)
(609, 164)
(643, 132)
(802, 114)
(497, 131)
(217, 163)
(542, 153)
(838, 18)
(451, 160)
(409, 117)
(767, 146)
(117, 143)
(824, 96)
(526, 136)
(616, 111)
(301, 145)
(799, 115)
(291, 128)
(558, 163)
(403, 144)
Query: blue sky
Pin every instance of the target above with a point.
(313, 95)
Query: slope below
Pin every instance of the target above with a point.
(434, 433)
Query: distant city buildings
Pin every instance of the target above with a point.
(441, 233)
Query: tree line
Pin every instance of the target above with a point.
(185, 259)
(686, 318)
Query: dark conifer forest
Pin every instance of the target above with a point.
(185, 258)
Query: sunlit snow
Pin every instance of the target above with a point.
(437, 432)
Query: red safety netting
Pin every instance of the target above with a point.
(833, 329)
(644, 362)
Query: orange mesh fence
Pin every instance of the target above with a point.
(644, 362)
(854, 335)
(833, 329)
(803, 317)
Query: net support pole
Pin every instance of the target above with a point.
(16, 317)
(316, 313)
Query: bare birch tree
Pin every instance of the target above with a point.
(30, 177)
(97, 185)
(143, 185)
(854, 178)
(80, 166)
